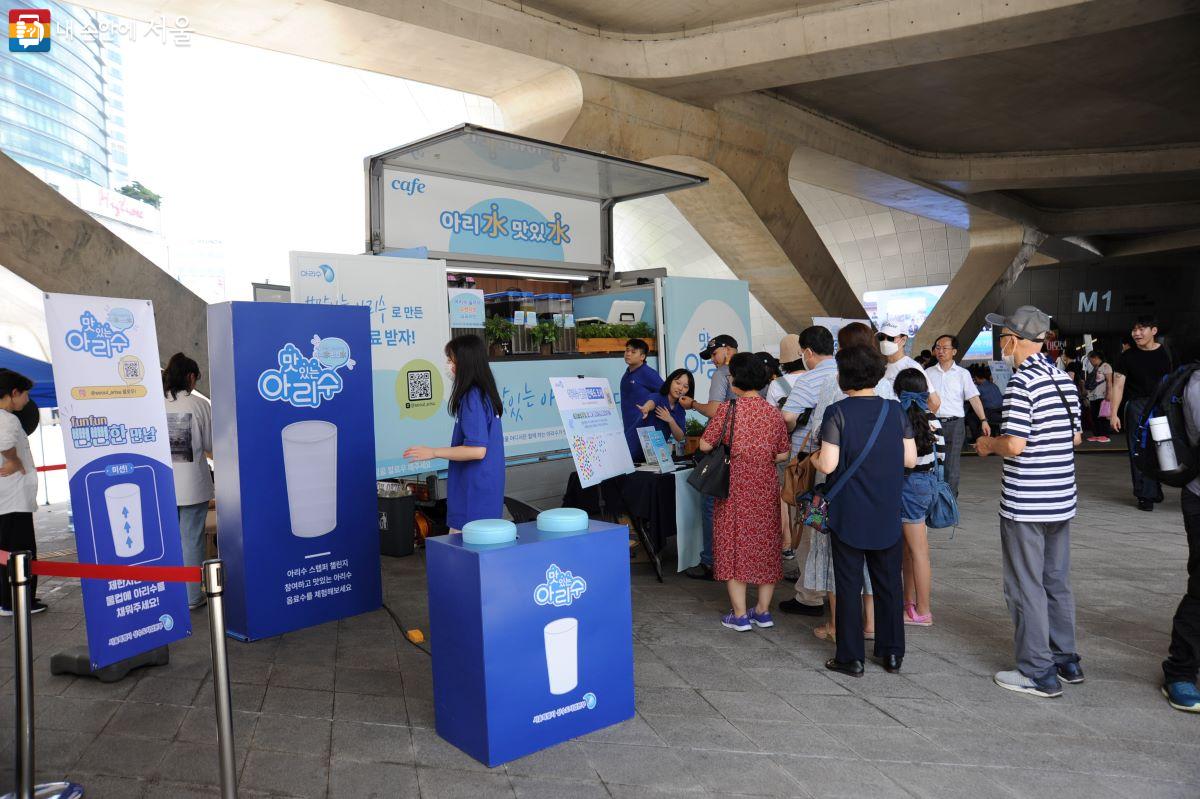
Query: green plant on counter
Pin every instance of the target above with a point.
(641, 330)
(543, 333)
(498, 330)
(693, 428)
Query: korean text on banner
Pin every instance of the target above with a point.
(593, 426)
(114, 423)
(696, 309)
(462, 217)
(409, 327)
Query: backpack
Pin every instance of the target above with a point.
(1167, 401)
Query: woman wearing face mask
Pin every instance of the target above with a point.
(475, 483)
(669, 414)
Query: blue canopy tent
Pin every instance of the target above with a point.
(37, 371)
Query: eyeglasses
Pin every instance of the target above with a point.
(942, 349)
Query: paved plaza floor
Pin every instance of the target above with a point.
(345, 709)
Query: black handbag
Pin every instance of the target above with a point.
(711, 475)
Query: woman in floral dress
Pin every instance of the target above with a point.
(746, 525)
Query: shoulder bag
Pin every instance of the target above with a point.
(711, 475)
(814, 505)
(799, 475)
(943, 510)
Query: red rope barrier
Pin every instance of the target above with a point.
(103, 571)
(52, 467)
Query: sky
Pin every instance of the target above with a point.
(263, 152)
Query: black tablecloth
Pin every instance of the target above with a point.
(648, 498)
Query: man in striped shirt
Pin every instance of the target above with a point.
(1041, 428)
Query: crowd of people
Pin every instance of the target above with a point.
(883, 432)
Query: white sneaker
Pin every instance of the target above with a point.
(1016, 681)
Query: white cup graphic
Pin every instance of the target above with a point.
(310, 470)
(124, 503)
(562, 654)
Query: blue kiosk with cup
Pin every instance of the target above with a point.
(532, 633)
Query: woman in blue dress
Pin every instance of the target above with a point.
(864, 517)
(475, 482)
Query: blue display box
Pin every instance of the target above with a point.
(294, 452)
(532, 640)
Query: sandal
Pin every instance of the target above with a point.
(914, 619)
(825, 633)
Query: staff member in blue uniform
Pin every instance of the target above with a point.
(639, 387)
(475, 483)
(677, 392)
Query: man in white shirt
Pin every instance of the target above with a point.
(956, 389)
(18, 482)
(892, 341)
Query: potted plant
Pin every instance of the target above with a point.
(692, 430)
(499, 332)
(600, 337)
(543, 335)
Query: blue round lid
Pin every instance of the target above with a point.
(562, 520)
(489, 531)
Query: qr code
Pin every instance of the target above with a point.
(420, 386)
(130, 369)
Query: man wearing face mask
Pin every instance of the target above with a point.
(1042, 427)
(892, 341)
(819, 375)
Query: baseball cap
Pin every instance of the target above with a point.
(891, 331)
(715, 342)
(1027, 322)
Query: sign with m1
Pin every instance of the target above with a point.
(114, 423)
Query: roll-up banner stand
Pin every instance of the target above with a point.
(295, 453)
(695, 309)
(409, 327)
(114, 423)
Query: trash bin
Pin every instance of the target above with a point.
(396, 525)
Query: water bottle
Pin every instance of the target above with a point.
(1160, 432)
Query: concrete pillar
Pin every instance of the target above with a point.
(996, 259)
(747, 213)
(46, 240)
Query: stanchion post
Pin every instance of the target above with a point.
(19, 577)
(214, 589)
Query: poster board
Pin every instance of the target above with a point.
(696, 310)
(410, 326)
(294, 450)
(114, 425)
(655, 450)
(592, 424)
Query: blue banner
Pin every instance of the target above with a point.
(295, 458)
(114, 423)
(695, 310)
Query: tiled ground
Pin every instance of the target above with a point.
(345, 710)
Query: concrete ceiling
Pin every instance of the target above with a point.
(660, 16)
(1134, 87)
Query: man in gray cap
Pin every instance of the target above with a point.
(1041, 428)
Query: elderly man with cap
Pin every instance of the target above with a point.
(892, 341)
(1041, 428)
(720, 349)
